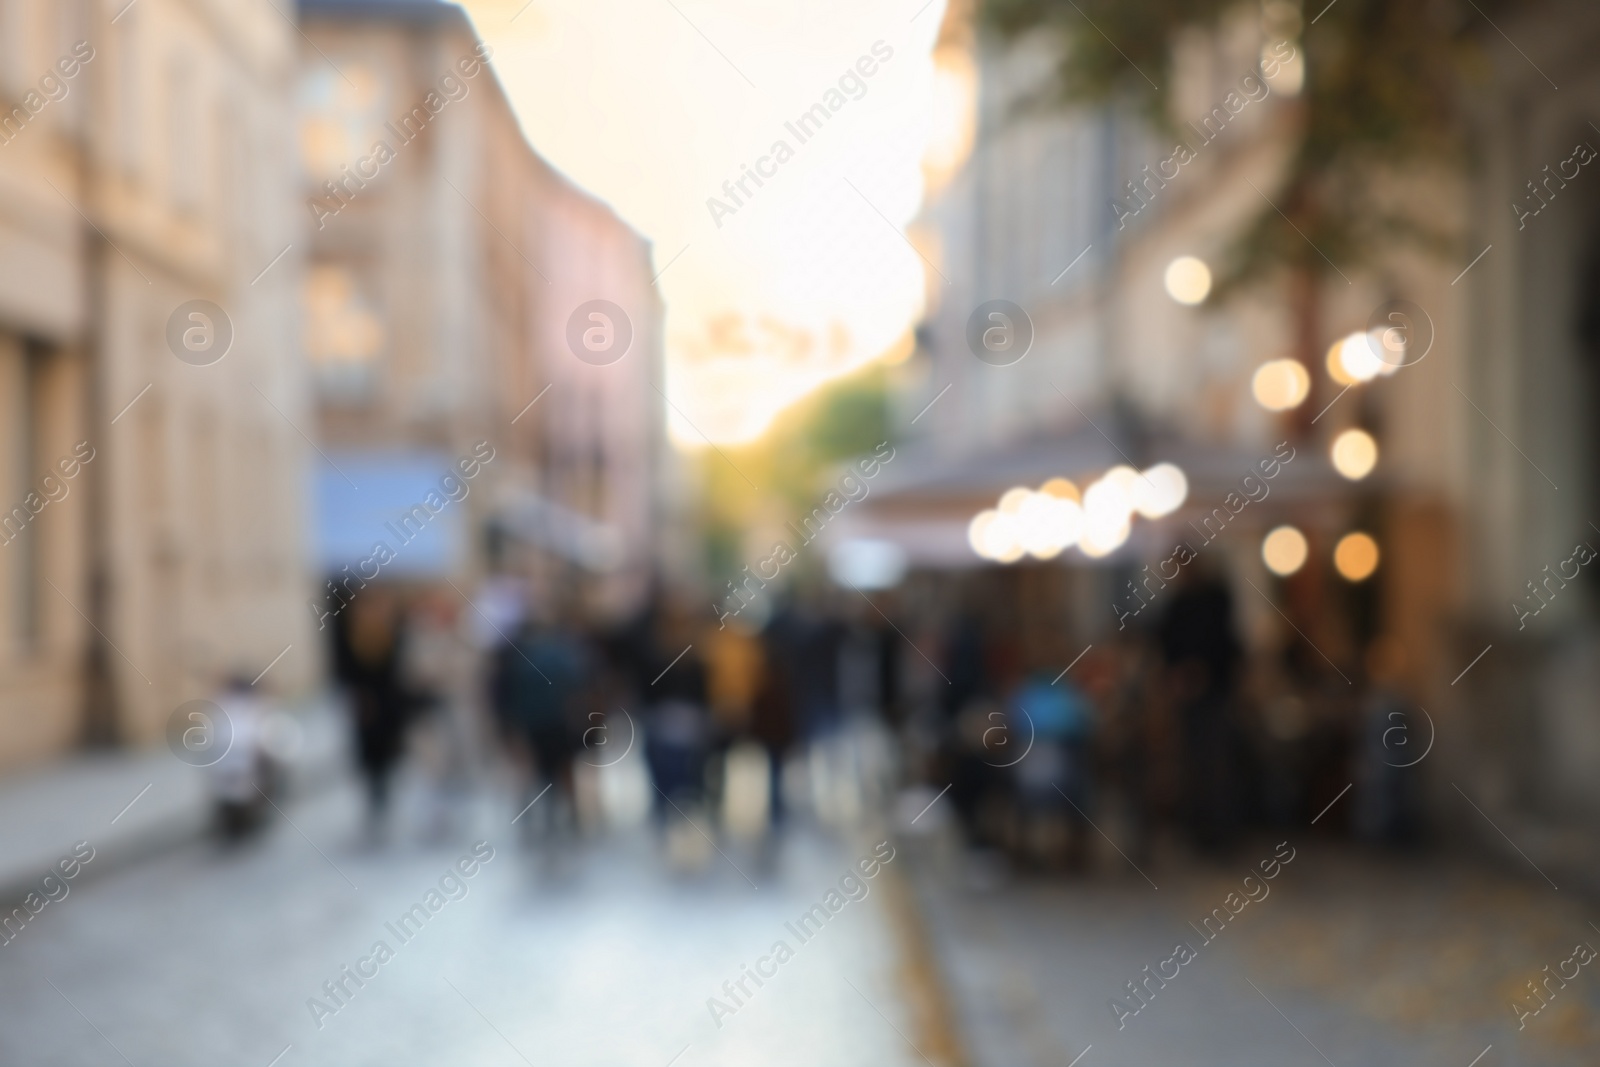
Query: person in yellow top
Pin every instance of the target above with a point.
(734, 665)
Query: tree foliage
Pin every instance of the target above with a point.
(1383, 90)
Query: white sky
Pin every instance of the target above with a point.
(807, 280)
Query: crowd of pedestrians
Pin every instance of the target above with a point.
(526, 686)
(1174, 729)
(1037, 735)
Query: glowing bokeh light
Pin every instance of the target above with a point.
(1188, 280)
(1352, 360)
(1159, 491)
(1284, 550)
(1061, 488)
(1005, 544)
(1036, 526)
(1103, 534)
(1011, 500)
(978, 532)
(994, 536)
(1106, 502)
(1388, 345)
(1355, 557)
(1354, 454)
(1049, 524)
(1335, 365)
(1044, 523)
(1280, 384)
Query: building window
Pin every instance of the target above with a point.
(130, 97)
(14, 57)
(19, 450)
(341, 118)
(185, 135)
(344, 335)
(71, 27)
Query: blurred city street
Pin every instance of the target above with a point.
(597, 957)
(552, 949)
(712, 533)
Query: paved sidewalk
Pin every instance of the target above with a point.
(128, 805)
(1352, 959)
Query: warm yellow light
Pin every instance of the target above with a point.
(1284, 550)
(1047, 524)
(1356, 556)
(1061, 489)
(1336, 369)
(1159, 491)
(1352, 360)
(1012, 500)
(1280, 384)
(1036, 527)
(1103, 534)
(1389, 348)
(1124, 478)
(1069, 520)
(1188, 280)
(978, 532)
(1004, 541)
(995, 535)
(1107, 502)
(1354, 454)
(1024, 522)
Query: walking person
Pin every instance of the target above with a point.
(438, 672)
(677, 726)
(772, 721)
(733, 672)
(1203, 656)
(369, 659)
(1053, 779)
(1394, 739)
(539, 677)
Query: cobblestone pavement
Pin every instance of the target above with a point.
(203, 957)
(1355, 961)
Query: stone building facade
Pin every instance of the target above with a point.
(144, 164)
(448, 264)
